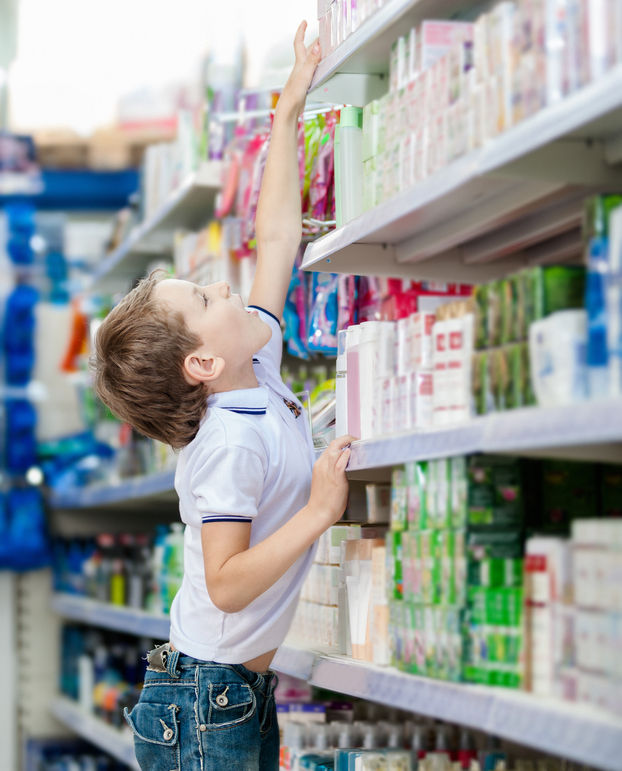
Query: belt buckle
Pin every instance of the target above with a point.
(158, 657)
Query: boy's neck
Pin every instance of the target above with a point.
(235, 380)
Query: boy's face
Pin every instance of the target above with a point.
(217, 317)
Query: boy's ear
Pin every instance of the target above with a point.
(202, 369)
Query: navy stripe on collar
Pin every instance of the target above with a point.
(246, 411)
(263, 310)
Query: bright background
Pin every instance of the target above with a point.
(75, 58)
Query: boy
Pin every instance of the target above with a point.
(193, 367)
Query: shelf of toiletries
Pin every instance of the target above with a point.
(361, 46)
(113, 741)
(134, 490)
(579, 732)
(188, 206)
(118, 618)
(588, 430)
(575, 731)
(435, 229)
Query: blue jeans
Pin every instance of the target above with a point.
(203, 716)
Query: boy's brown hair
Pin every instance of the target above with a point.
(139, 353)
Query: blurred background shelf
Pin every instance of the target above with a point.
(136, 492)
(189, 206)
(115, 742)
(102, 614)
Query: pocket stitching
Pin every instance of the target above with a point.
(172, 742)
(212, 707)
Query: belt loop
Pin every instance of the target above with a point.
(171, 661)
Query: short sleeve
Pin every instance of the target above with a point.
(272, 352)
(228, 486)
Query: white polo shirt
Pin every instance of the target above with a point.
(250, 461)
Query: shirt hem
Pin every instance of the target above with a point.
(217, 655)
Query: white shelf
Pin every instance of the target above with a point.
(119, 619)
(366, 52)
(189, 206)
(115, 742)
(136, 491)
(545, 162)
(583, 431)
(572, 731)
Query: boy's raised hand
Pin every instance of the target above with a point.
(307, 58)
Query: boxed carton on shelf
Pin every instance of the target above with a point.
(456, 85)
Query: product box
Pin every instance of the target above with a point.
(494, 492)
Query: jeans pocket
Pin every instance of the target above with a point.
(156, 735)
(230, 704)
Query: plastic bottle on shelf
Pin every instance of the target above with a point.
(173, 563)
(349, 165)
(155, 602)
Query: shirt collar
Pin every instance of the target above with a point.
(247, 401)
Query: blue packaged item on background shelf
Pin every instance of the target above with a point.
(24, 543)
(322, 333)
(20, 439)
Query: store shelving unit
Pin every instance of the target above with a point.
(490, 212)
(127, 620)
(135, 492)
(356, 71)
(589, 430)
(188, 206)
(114, 741)
(575, 731)
(516, 201)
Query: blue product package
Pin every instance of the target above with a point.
(21, 443)
(28, 533)
(322, 333)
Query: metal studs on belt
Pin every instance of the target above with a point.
(222, 699)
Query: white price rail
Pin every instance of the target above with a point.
(569, 730)
(114, 741)
(101, 614)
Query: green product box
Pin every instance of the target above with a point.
(459, 491)
(494, 297)
(399, 500)
(480, 295)
(394, 560)
(480, 384)
(396, 631)
(554, 288)
(494, 558)
(596, 215)
(528, 396)
(494, 492)
(415, 481)
(509, 301)
(521, 327)
(430, 640)
(569, 490)
(419, 643)
(443, 494)
(431, 495)
(437, 567)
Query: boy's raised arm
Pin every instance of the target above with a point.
(278, 222)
